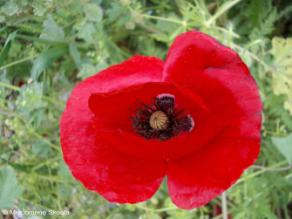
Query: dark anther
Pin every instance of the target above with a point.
(165, 102)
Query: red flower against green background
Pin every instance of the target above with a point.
(194, 119)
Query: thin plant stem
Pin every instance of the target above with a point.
(145, 208)
(253, 56)
(9, 86)
(286, 168)
(254, 174)
(221, 11)
(163, 19)
(18, 62)
(224, 205)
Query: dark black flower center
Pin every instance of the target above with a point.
(161, 119)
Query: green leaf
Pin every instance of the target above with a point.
(284, 145)
(118, 216)
(86, 32)
(6, 47)
(86, 70)
(2, 19)
(151, 215)
(41, 148)
(75, 54)
(52, 31)
(64, 170)
(93, 12)
(39, 7)
(10, 8)
(46, 59)
(282, 75)
(9, 188)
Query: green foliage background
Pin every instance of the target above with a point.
(47, 46)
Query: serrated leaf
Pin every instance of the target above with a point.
(268, 23)
(39, 8)
(284, 145)
(51, 30)
(288, 104)
(282, 76)
(93, 12)
(46, 59)
(9, 188)
(10, 8)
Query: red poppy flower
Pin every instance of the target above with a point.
(194, 118)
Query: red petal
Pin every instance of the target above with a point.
(196, 180)
(215, 73)
(219, 77)
(193, 51)
(95, 163)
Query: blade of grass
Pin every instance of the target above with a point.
(222, 9)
